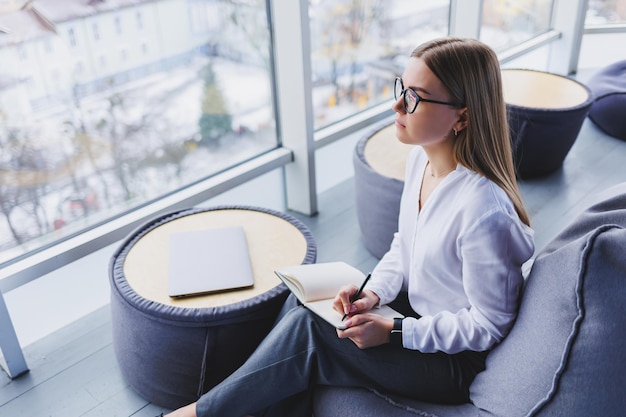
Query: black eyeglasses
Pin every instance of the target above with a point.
(411, 99)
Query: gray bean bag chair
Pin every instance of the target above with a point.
(565, 353)
(608, 110)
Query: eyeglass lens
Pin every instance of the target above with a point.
(410, 98)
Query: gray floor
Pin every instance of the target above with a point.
(74, 371)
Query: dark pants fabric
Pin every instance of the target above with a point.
(303, 350)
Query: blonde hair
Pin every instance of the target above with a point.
(470, 71)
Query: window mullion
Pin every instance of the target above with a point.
(569, 20)
(465, 18)
(295, 109)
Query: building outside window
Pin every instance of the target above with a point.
(78, 154)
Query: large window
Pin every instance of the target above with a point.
(93, 125)
(358, 46)
(506, 23)
(119, 109)
(103, 110)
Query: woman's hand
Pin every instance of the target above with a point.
(367, 330)
(364, 329)
(366, 301)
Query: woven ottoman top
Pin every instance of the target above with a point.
(272, 242)
(386, 154)
(542, 90)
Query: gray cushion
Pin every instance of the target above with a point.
(360, 402)
(564, 355)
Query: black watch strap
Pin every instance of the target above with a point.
(395, 337)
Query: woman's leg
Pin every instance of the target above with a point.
(303, 350)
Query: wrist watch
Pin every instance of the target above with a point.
(395, 337)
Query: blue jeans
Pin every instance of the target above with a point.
(302, 351)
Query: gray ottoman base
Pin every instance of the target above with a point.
(377, 203)
(171, 355)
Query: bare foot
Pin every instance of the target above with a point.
(187, 411)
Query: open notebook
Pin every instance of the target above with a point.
(207, 261)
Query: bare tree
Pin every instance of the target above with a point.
(120, 131)
(347, 25)
(23, 181)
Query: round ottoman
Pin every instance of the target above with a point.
(608, 110)
(379, 162)
(172, 350)
(545, 113)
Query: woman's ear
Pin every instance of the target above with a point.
(463, 120)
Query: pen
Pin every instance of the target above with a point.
(357, 294)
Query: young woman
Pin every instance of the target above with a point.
(454, 266)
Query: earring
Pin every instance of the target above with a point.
(455, 132)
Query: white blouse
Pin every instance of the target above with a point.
(460, 259)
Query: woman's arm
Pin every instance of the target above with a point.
(492, 252)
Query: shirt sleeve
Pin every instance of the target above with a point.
(493, 251)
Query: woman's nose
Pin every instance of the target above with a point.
(398, 105)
